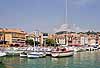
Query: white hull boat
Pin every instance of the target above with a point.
(78, 49)
(36, 54)
(23, 54)
(48, 51)
(62, 53)
(2, 54)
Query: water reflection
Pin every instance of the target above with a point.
(86, 59)
(64, 62)
(79, 60)
(2, 65)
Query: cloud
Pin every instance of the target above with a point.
(62, 27)
(69, 28)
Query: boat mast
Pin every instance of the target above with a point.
(65, 21)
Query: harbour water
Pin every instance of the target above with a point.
(79, 60)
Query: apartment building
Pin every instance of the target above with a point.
(12, 36)
(73, 38)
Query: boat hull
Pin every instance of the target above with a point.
(23, 55)
(32, 56)
(62, 54)
(48, 53)
(2, 54)
(36, 55)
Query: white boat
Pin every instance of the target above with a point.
(76, 49)
(62, 52)
(36, 54)
(2, 54)
(23, 54)
(48, 51)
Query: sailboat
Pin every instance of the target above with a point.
(36, 53)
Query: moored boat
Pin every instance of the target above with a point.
(48, 51)
(62, 52)
(23, 54)
(2, 54)
(36, 54)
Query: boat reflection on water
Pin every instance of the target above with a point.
(54, 59)
(64, 62)
(2, 65)
(79, 60)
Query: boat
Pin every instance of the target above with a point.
(23, 54)
(75, 48)
(2, 54)
(48, 51)
(62, 52)
(36, 54)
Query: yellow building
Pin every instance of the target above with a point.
(12, 36)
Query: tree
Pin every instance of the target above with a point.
(30, 42)
(37, 43)
(91, 32)
(50, 42)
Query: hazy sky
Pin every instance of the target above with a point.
(84, 13)
(45, 15)
(32, 14)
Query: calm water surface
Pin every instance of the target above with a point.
(79, 60)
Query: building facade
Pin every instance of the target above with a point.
(73, 38)
(12, 36)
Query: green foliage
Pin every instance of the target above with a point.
(50, 42)
(37, 43)
(91, 32)
(30, 42)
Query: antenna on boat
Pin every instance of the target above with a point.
(65, 21)
(66, 13)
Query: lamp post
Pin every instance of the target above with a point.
(3, 30)
(65, 39)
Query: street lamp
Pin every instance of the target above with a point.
(3, 30)
(65, 39)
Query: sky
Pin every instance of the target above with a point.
(85, 14)
(30, 15)
(50, 15)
